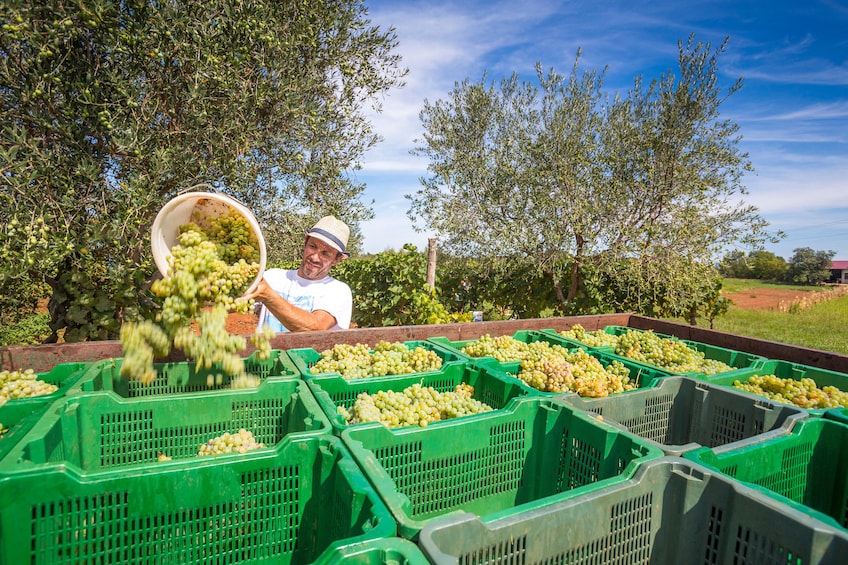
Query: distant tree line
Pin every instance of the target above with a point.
(806, 266)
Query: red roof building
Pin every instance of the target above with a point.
(839, 271)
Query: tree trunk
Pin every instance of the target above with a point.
(431, 263)
(693, 316)
(574, 284)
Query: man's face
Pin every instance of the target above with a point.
(318, 259)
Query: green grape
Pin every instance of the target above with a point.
(359, 362)
(803, 393)
(553, 368)
(212, 265)
(23, 384)
(670, 354)
(261, 340)
(503, 348)
(414, 406)
(239, 442)
(596, 338)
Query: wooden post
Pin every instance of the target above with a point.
(431, 262)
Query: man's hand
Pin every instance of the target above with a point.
(262, 293)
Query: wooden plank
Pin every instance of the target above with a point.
(42, 358)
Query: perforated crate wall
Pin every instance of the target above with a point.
(680, 414)
(670, 511)
(808, 466)
(532, 450)
(333, 392)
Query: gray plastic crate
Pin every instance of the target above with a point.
(680, 414)
(670, 511)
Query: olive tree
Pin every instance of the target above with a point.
(640, 186)
(808, 266)
(109, 108)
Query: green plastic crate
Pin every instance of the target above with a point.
(525, 336)
(838, 414)
(680, 414)
(63, 375)
(809, 466)
(304, 358)
(527, 454)
(294, 503)
(100, 431)
(787, 370)
(17, 420)
(740, 360)
(331, 392)
(670, 512)
(387, 551)
(177, 377)
(643, 375)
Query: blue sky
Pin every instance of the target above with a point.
(792, 110)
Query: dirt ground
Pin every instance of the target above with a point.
(241, 324)
(765, 298)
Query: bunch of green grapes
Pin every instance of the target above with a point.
(23, 384)
(593, 379)
(803, 393)
(235, 238)
(209, 269)
(414, 406)
(559, 370)
(669, 354)
(596, 338)
(213, 344)
(387, 358)
(142, 342)
(550, 373)
(503, 348)
(239, 442)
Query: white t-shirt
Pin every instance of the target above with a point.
(327, 294)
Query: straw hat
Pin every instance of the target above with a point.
(331, 231)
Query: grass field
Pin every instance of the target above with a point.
(821, 326)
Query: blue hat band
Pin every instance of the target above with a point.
(329, 236)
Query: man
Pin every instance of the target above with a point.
(309, 298)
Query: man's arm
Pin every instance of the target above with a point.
(294, 318)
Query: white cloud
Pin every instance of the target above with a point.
(818, 111)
